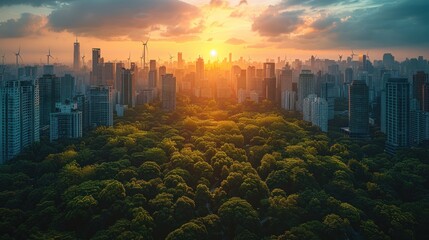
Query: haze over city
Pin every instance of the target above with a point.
(248, 28)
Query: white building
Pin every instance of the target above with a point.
(288, 100)
(316, 111)
(66, 123)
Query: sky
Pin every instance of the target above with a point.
(252, 29)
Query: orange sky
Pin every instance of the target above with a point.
(252, 29)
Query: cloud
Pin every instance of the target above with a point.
(318, 26)
(273, 21)
(235, 41)
(129, 20)
(35, 3)
(28, 24)
(318, 3)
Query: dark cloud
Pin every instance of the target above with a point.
(35, 3)
(273, 21)
(235, 41)
(28, 24)
(318, 3)
(110, 19)
(389, 24)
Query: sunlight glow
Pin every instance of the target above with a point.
(213, 53)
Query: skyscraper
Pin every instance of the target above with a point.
(315, 110)
(19, 112)
(127, 95)
(96, 55)
(388, 60)
(101, 106)
(348, 75)
(358, 109)
(66, 122)
(270, 82)
(419, 80)
(306, 86)
(67, 88)
(76, 55)
(50, 91)
(251, 78)
(397, 114)
(169, 92)
(109, 74)
(153, 75)
(241, 81)
(199, 77)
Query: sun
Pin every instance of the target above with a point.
(213, 53)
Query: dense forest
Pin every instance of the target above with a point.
(214, 170)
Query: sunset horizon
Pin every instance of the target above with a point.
(258, 30)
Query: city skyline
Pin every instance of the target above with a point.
(249, 29)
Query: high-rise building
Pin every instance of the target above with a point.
(118, 73)
(270, 82)
(358, 109)
(315, 110)
(419, 80)
(288, 100)
(109, 74)
(76, 55)
(50, 91)
(397, 114)
(169, 92)
(251, 78)
(67, 88)
(199, 76)
(388, 60)
(153, 74)
(19, 113)
(241, 81)
(95, 74)
(83, 106)
(306, 86)
(348, 75)
(127, 95)
(66, 122)
(425, 98)
(319, 113)
(286, 79)
(101, 106)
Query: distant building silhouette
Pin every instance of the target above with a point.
(76, 55)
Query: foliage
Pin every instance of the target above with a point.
(214, 170)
